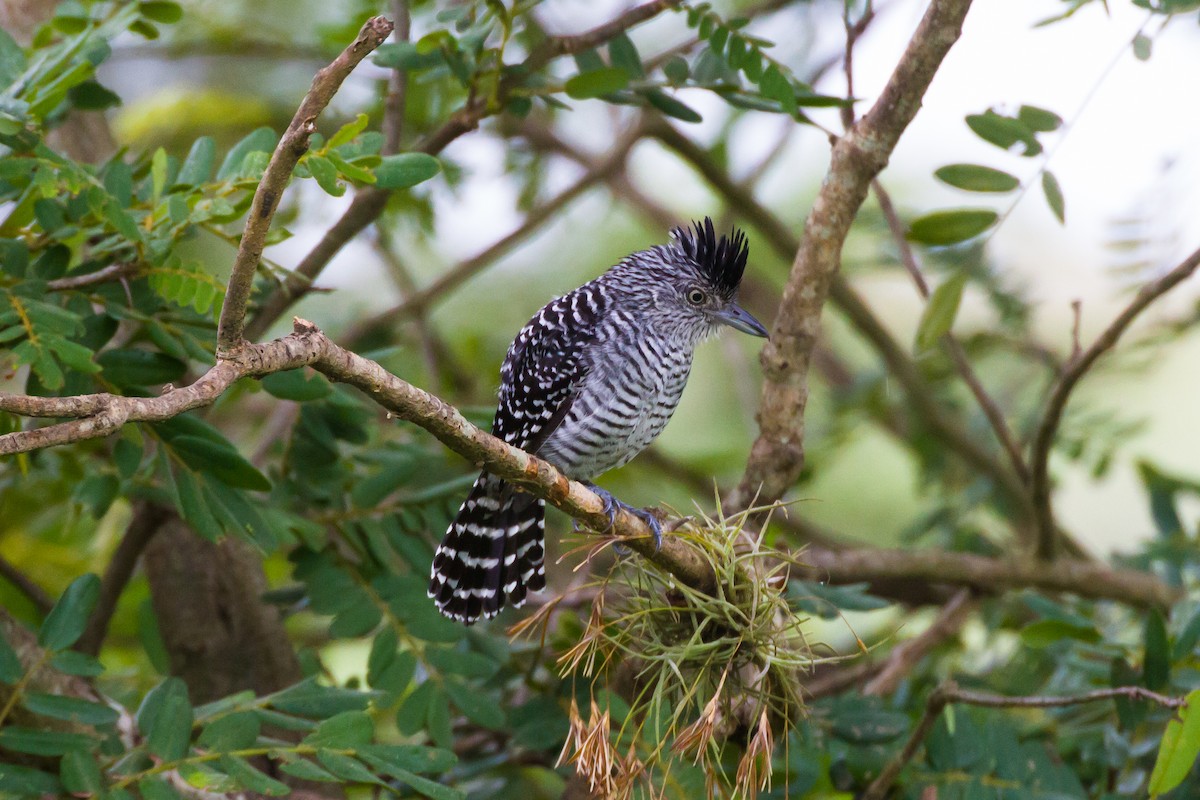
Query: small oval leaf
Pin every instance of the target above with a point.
(951, 227)
(597, 83)
(977, 178)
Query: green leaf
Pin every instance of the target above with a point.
(307, 771)
(72, 709)
(1054, 196)
(345, 731)
(221, 461)
(165, 718)
(250, 778)
(260, 141)
(1039, 119)
(1143, 47)
(296, 384)
(624, 55)
(671, 107)
(976, 178)
(158, 172)
(65, 623)
(43, 742)
(409, 757)
(423, 786)
(410, 718)
(81, 774)
(346, 767)
(97, 493)
(155, 789)
(480, 707)
(405, 170)
(1047, 632)
(1004, 132)
(775, 85)
(313, 700)
(11, 669)
(236, 731)
(192, 507)
(938, 317)
(469, 665)
(197, 167)
(438, 720)
(12, 58)
(951, 227)
(133, 367)
(348, 131)
(1178, 750)
(75, 663)
(597, 83)
(21, 781)
(677, 70)
(326, 175)
(161, 11)
(1185, 643)
(1156, 654)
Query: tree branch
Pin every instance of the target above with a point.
(778, 453)
(308, 346)
(1085, 579)
(278, 174)
(949, 693)
(109, 273)
(1073, 371)
(905, 656)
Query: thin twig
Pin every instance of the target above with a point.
(1073, 371)
(278, 174)
(949, 693)
(26, 585)
(110, 273)
(958, 355)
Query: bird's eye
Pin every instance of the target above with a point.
(695, 297)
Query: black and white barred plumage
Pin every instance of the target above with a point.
(587, 384)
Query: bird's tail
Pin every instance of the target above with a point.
(492, 553)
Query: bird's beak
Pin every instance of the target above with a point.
(737, 317)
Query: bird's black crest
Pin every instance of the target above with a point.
(721, 259)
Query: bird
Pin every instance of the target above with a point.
(586, 385)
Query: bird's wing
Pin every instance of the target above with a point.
(544, 368)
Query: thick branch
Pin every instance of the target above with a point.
(949, 693)
(778, 453)
(1074, 370)
(275, 179)
(307, 346)
(1085, 579)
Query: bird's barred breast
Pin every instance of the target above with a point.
(624, 404)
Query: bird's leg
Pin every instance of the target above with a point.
(612, 506)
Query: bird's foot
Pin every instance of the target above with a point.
(612, 506)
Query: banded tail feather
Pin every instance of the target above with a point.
(492, 554)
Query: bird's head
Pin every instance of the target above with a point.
(699, 274)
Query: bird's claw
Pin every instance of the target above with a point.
(612, 506)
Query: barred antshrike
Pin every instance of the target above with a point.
(587, 384)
